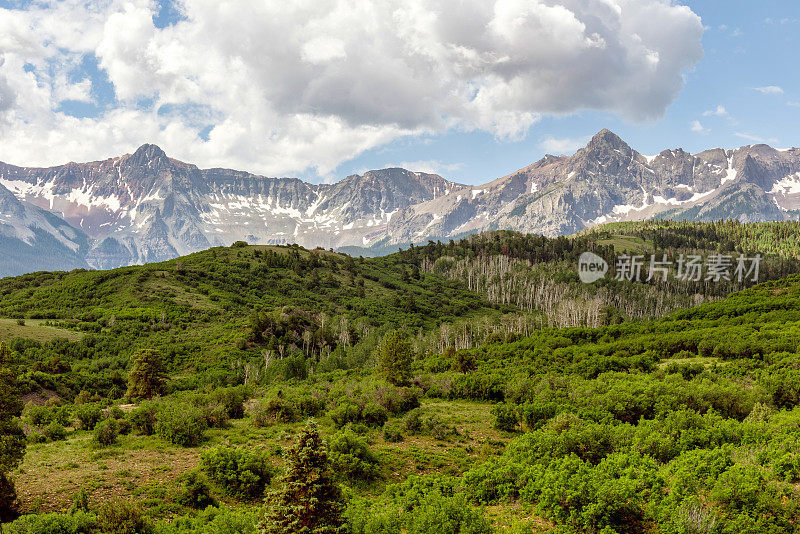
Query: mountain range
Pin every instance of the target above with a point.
(146, 206)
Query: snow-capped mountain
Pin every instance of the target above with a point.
(33, 239)
(145, 206)
(609, 181)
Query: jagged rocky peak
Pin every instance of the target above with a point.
(148, 153)
(606, 140)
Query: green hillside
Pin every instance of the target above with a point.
(446, 402)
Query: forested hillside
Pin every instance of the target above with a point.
(174, 397)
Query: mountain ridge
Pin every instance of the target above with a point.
(145, 206)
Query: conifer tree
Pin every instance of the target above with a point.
(12, 438)
(394, 358)
(309, 501)
(148, 375)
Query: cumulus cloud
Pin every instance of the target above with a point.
(281, 87)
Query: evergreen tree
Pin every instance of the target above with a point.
(394, 358)
(309, 501)
(12, 438)
(147, 376)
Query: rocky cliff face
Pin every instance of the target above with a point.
(145, 206)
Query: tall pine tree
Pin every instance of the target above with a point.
(394, 358)
(147, 376)
(309, 501)
(12, 438)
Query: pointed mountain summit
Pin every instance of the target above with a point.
(607, 141)
(148, 154)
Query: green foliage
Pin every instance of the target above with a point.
(106, 432)
(55, 431)
(394, 359)
(79, 522)
(393, 433)
(275, 410)
(351, 457)
(180, 423)
(88, 415)
(143, 418)
(12, 441)
(240, 473)
(195, 491)
(309, 501)
(506, 417)
(122, 517)
(147, 376)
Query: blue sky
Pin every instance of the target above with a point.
(747, 45)
(472, 96)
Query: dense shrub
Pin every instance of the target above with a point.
(55, 431)
(88, 415)
(374, 415)
(122, 517)
(274, 410)
(506, 416)
(392, 433)
(351, 456)
(143, 418)
(347, 412)
(195, 491)
(53, 523)
(239, 472)
(106, 432)
(180, 423)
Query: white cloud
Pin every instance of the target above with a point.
(564, 145)
(770, 90)
(720, 111)
(295, 85)
(755, 138)
(793, 104)
(428, 166)
(699, 128)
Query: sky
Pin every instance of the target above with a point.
(469, 89)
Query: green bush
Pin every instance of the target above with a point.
(413, 421)
(215, 414)
(274, 410)
(106, 432)
(438, 514)
(195, 491)
(351, 456)
(347, 412)
(374, 415)
(506, 417)
(122, 517)
(88, 415)
(44, 415)
(180, 423)
(392, 433)
(241, 473)
(143, 418)
(79, 522)
(232, 398)
(55, 431)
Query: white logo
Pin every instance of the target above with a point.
(591, 267)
